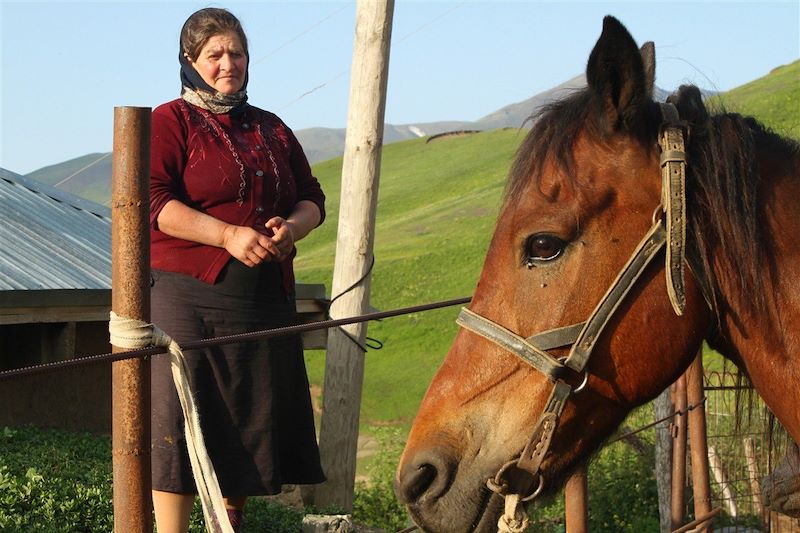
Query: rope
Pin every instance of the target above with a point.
(131, 333)
(369, 342)
(514, 518)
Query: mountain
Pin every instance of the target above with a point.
(89, 176)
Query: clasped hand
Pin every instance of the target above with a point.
(253, 248)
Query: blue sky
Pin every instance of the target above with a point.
(66, 65)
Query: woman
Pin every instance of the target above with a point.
(231, 192)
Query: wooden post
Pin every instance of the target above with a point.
(344, 367)
(576, 502)
(130, 298)
(679, 454)
(722, 480)
(755, 478)
(663, 408)
(698, 441)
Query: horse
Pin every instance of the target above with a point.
(630, 231)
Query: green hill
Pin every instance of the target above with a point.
(773, 99)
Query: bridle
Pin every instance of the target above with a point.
(668, 228)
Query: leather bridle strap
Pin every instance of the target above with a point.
(647, 249)
(537, 358)
(582, 336)
(673, 198)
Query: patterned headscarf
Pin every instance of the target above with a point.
(196, 91)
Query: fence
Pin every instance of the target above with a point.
(745, 444)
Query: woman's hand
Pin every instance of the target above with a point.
(283, 237)
(249, 246)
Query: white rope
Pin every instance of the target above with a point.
(132, 334)
(514, 519)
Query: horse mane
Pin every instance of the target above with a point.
(723, 180)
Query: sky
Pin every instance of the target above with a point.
(66, 65)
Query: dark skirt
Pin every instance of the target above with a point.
(253, 398)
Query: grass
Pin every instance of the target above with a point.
(773, 99)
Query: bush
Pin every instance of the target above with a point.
(60, 482)
(374, 502)
(54, 481)
(623, 496)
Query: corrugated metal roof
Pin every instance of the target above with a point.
(50, 239)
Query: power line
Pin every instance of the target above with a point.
(342, 73)
(82, 169)
(293, 39)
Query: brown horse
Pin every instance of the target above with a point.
(584, 191)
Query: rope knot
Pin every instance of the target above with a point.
(514, 519)
(133, 334)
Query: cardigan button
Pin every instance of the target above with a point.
(259, 209)
(245, 125)
(259, 173)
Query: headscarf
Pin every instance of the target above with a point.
(196, 91)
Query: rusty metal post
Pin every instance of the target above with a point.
(678, 454)
(130, 298)
(576, 502)
(698, 441)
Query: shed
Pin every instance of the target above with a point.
(55, 297)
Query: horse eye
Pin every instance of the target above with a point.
(541, 248)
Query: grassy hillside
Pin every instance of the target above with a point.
(773, 99)
(88, 176)
(436, 211)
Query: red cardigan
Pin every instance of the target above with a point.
(241, 170)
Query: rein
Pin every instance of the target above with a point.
(668, 230)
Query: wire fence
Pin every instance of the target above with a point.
(745, 444)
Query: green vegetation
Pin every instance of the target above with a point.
(60, 482)
(773, 99)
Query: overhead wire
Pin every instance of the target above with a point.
(297, 36)
(345, 71)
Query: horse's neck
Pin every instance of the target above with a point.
(768, 343)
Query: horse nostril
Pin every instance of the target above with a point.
(425, 478)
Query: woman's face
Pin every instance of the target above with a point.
(222, 63)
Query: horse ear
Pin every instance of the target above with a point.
(616, 76)
(648, 53)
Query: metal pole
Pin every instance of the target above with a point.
(678, 454)
(344, 365)
(130, 297)
(698, 441)
(576, 496)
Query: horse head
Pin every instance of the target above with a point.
(583, 192)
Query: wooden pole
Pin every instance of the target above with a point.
(722, 480)
(663, 408)
(576, 502)
(679, 454)
(755, 479)
(344, 367)
(130, 298)
(698, 441)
